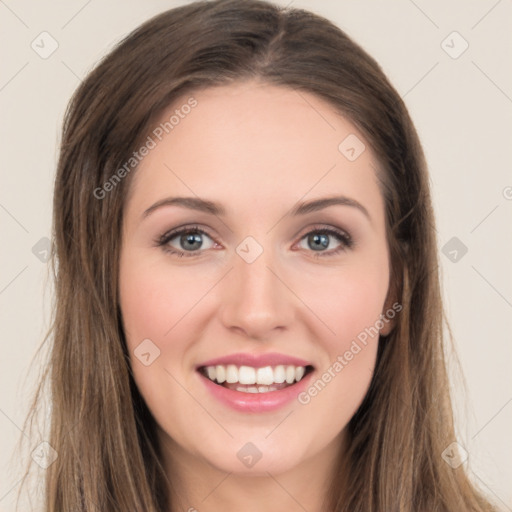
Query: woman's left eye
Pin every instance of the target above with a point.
(318, 239)
(190, 241)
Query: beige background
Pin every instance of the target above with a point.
(462, 108)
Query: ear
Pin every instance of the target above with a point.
(392, 305)
(389, 314)
(388, 319)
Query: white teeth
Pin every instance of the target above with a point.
(262, 377)
(279, 374)
(265, 375)
(246, 375)
(231, 374)
(254, 389)
(299, 373)
(212, 372)
(221, 373)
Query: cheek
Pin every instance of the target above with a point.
(154, 306)
(347, 301)
(152, 300)
(151, 303)
(349, 307)
(167, 306)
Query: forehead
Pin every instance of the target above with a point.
(253, 140)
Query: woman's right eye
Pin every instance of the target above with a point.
(188, 239)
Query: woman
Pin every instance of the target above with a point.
(248, 311)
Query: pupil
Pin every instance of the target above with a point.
(321, 240)
(191, 238)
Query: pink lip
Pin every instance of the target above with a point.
(256, 361)
(256, 402)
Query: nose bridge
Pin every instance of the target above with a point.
(256, 301)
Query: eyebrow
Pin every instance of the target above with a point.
(303, 208)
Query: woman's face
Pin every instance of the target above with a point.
(264, 281)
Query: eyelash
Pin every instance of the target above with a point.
(344, 238)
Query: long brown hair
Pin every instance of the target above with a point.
(108, 456)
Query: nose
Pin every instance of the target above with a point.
(256, 299)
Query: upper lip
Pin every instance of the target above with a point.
(256, 360)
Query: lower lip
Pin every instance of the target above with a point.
(257, 402)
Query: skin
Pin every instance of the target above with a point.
(257, 150)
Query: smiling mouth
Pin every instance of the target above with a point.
(248, 379)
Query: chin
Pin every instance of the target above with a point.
(274, 463)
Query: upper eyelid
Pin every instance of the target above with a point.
(171, 233)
